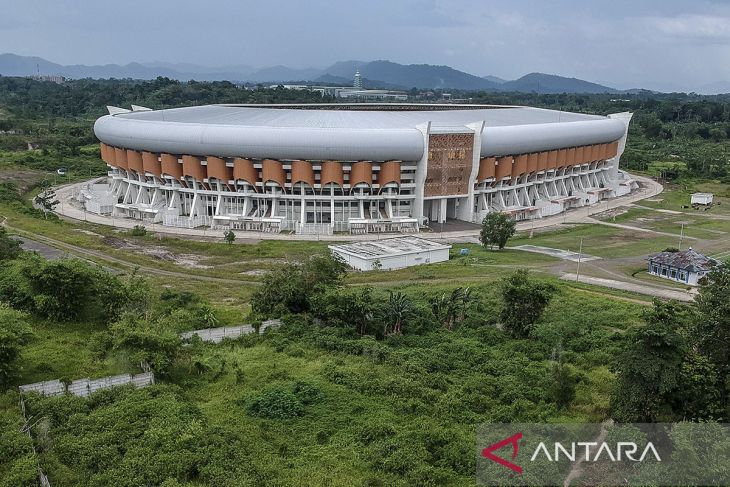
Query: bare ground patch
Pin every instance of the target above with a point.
(189, 261)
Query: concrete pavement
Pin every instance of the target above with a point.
(581, 215)
(685, 296)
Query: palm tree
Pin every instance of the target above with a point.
(452, 309)
(208, 317)
(398, 309)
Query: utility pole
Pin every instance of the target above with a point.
(580, 253)
(681, 236)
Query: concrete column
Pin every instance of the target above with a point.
(443, 202)
(625, 117)
(466, 208)
(421, 170)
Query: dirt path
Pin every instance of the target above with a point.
(88, 254)
(577, 467)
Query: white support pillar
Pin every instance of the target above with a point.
(420, 176)
(625, 117)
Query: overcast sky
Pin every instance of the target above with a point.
(658, 44)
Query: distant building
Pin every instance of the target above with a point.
(391, 253)
(372, 95)
(357, 83)
(685, 266)
(701, 199)
(48, 77)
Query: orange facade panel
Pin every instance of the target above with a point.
(272, 170)
(591, 153)
(243, 170)
(580, 155)
(151, 164)
(389, 173)
(595, 152)
(120, 156)
(171, 166)
(520, 166)
(193, 168)
(603, 152)
(532, 161)
(134, 161)
(504, 167)
(570, 158)
(302, 172)
(562, 158)
(612, 150)
(332, 173)
(361, 172)
(542, 160)
(487, 167)
(553, 157)
(217, 169)
(107, 154)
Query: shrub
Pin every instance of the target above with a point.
(275, 403)
(138, 231)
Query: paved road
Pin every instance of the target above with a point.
(46, 251)
(636, 288)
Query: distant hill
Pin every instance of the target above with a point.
(494, 79)
(717, 88)
(550, 83)
(14, 65)
(375, 74)
(423, 76)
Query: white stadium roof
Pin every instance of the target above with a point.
(347, 132)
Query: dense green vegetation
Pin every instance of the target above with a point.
(374, 378)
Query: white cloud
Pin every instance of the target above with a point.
(700, 27)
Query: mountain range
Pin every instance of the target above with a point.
(376, 74)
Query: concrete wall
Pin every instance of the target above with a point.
(397, 261)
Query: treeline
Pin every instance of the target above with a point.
(690, 129)
(61, 116)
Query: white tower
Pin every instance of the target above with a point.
(358, 80)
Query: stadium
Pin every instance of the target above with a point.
(357, 168)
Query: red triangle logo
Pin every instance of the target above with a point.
(512, 440)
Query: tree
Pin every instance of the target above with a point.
(563, 380)
(147, 342)
(9, 247)
(47, 201)
(711, 331)
(14, 332)
(346, 307)
(207, 316)
(397, 311)
(229, 237)
(523, 302)
(649, 369)
(290, 288)
(497, 229)
(451, 309)
(69, 289)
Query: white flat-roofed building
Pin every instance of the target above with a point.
(391, 253)
(701, 199)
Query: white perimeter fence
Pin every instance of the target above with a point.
(216, 335)
(84, 387)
